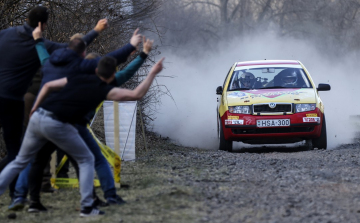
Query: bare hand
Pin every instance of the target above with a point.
(147, 45)
(37, 34)
(101, 25)
(135, 39)
(157, 68)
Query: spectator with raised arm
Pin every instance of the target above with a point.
(17, 69)
(55, 114)
(65, 63)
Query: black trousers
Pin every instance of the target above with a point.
(11, 118)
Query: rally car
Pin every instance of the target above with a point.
(270, 102)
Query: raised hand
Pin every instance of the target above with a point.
(157, 68)
(101, 25)
(37, 33)
(135, 39)
(147, 44)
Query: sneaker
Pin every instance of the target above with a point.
(36, 207)
(99, 203)
(17, 204)
(90, 211)
(115, 200)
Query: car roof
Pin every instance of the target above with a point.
(267, 62)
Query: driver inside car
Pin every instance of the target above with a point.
(289, 79)
(246, 80)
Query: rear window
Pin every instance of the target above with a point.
(269, 77)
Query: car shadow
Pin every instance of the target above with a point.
(271, 149)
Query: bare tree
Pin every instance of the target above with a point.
(328, 23)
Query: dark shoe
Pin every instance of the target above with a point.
(90, 211)
(115, 200)
(47, 188)
(99, 203)
(36, 207)
(17, 204)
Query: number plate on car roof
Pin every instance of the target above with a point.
(273, 122)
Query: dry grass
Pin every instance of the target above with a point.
(151, 196)
(149, 192)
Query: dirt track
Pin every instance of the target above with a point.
(176, 184)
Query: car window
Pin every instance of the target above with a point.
(269, 77)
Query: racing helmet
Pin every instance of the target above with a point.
(289, 79)
(247, 80)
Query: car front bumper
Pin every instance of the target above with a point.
(248, 131)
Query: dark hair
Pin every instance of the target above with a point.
(78, 45)
(36, 15)
(106, 67)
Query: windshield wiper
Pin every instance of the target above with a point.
(238, 89)
(277, 87)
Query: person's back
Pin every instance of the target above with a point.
(70, 61)
(18, 62)
(62, 63)
(82, 94)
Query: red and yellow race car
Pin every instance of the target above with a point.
(270, 102)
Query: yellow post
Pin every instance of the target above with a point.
(116, 136)
(53, 165)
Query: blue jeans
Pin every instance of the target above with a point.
(43, 127)
(22, 186)
(101, 165)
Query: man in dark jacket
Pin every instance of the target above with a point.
(17, 69)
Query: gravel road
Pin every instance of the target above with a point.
(170, 183)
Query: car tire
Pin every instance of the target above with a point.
(224, 144)
(321, 142)
(309, 144)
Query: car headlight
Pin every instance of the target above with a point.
(305, 107)
(245, 109)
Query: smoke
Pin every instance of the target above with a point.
(190, 119)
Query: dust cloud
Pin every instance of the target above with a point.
(190, 120)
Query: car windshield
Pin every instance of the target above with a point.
(268, 78)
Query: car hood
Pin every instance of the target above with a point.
(286, 95)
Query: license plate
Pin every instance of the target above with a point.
(273, 123)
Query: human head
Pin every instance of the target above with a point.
(289, 79)
(78, 45)
(36, 15)
(92, 55)
(106, 67)
(247, 80)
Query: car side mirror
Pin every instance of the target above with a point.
(324, 87)
(219, 90)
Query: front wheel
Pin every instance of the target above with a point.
(224, 144)
(321, 142)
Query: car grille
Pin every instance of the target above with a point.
(279, 108)
(272, 130)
